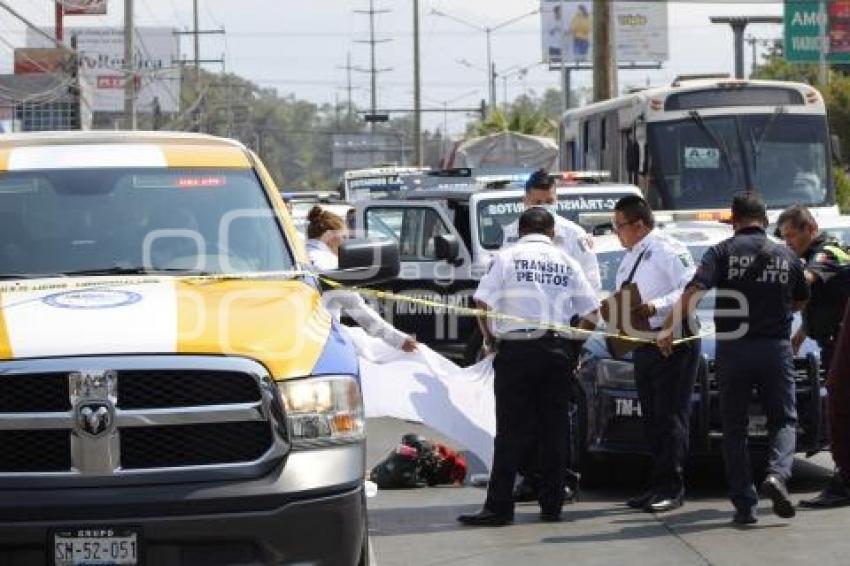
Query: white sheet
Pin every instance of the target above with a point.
(426, 387)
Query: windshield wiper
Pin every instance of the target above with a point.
(757, 144)
(715, 139)
(748, 174)
(118, 270)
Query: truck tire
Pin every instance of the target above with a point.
(366, 557)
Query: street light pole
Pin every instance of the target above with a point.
(488, 31)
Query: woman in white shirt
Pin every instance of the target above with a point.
(326, 231)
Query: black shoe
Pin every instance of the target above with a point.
(642, 500)
(663, 504)
(550, 516)
(525, 493)
(774, 488)
(744, 517)
(836, 494)
(485, 518)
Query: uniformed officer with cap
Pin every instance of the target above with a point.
(825, 261)
(569, 236)
(759, 284)
(536, 281)
(660, 266)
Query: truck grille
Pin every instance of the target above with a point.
(34, 393)
(138, 417)
(153, 389)
(35, 451)
(194, 445)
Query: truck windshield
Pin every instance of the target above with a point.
(124, 220)
(495, 213)
(700, 162)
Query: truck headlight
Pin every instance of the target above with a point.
(615, 374)
(323, 410)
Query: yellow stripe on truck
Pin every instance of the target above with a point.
(205, 156)
(4, 159)
(5, 344)
(278, 323)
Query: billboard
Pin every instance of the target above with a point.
(809, 30)
(101, 55)
(640, 31)
(84, 7)
(359, 151)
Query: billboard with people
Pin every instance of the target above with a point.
(640, 31)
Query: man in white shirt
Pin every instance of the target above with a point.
(569, 236)
(538, 283)
(661, 267)
(576, 243)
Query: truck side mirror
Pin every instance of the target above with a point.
(447, 247)
(366, 261)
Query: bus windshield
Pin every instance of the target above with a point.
(700, 162)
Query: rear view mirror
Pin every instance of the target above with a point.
(837, 153)
(447, 247)
(366, 261)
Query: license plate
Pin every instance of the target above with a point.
(96, 547)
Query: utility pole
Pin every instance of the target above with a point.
(753, 43)
(417, 90)
(348, 86)
(129, 67)
(739, 24)
(373, 70)
(602, 60)
(565, 73)
(823, 66)
(197, 42)
(60, 17)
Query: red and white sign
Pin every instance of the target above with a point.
(83, 7)
(115, 82)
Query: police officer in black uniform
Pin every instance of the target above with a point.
(539, 284)
(765, 282)
(826, 263)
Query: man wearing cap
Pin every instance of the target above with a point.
(660, 266)
(759, 284)
(569, 236)
(536, 281)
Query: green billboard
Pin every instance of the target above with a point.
(811, 26)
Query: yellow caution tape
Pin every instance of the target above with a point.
(25, 287)
(468, 311)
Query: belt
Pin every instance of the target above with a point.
(534, 334)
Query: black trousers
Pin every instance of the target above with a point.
(532, 398)
(530, 466)
(769, 364)
(665, 386)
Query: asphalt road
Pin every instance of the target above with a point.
(417, 527)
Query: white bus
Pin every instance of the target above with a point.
(375, 182)
(693, 144)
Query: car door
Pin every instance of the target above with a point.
(424, 276)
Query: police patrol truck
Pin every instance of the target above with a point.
(446, 240)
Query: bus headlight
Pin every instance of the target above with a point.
(615, 374)
(324, 410)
